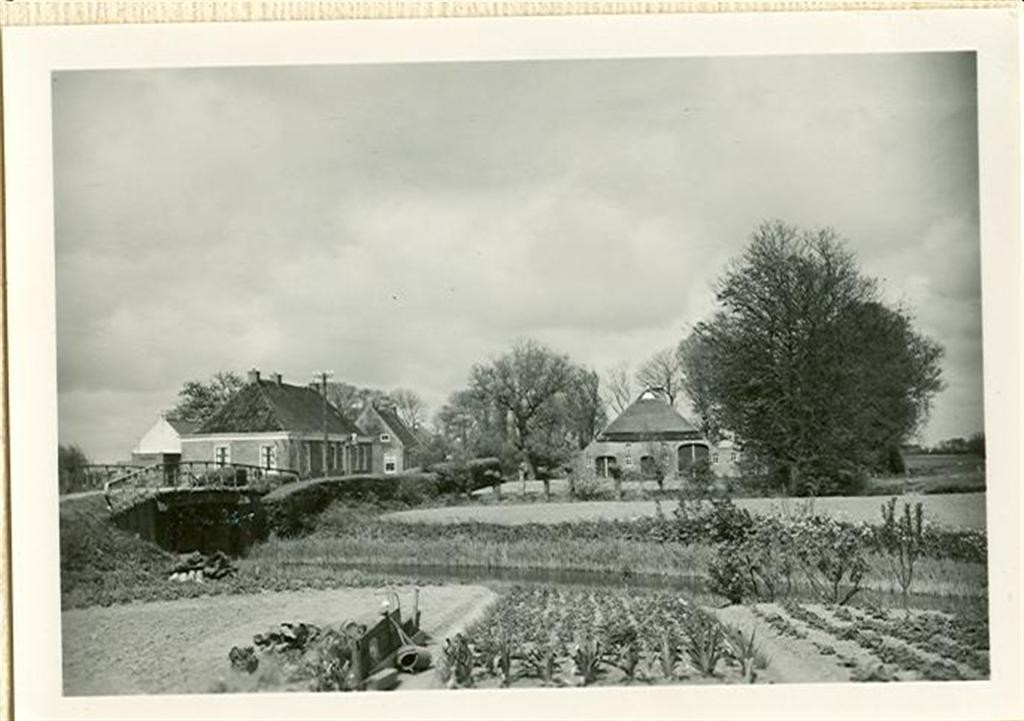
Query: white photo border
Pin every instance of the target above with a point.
(30, 54)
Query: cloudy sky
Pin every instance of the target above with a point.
(398, 223)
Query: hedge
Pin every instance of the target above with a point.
(292, 508)
(480, 473)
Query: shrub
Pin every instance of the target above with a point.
(466, 476)
(831, 554)
(902, 541)
(716, 521)
(591, 489)
(293, 509)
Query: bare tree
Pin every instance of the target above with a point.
(525, 382)
(618, 385)
(584, 410)
(409, 406)
(662, 370)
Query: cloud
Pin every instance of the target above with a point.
(398, 223)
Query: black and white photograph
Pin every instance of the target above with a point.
(521, 373)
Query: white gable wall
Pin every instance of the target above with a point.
(161, 438)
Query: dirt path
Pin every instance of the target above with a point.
(182, 646)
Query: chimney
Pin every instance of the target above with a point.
(254, 375)
(276, 377)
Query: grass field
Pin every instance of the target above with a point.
(966, 510)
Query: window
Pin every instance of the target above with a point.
(385, 438)
(714, 458)
(629, 461)
(390, 463)
(222, 455)
(361, 462)
(268, 456)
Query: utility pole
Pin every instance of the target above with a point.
(322, 377)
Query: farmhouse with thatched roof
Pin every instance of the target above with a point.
(650, 438)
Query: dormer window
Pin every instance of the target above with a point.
(385, 438)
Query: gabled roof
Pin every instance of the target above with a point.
(262, 406)
(649, 418)
(182, 426)
(397, 426)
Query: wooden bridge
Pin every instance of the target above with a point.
(193, 505)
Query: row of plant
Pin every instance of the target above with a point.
(556, 636)
(964, 640)
(911, 633)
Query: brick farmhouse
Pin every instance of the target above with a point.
(278, 426)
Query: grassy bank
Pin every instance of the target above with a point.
(357, 547)
(102, 565)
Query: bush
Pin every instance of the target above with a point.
(759, 558)
(591, 489)
(467, 476)
(293, 509)
(717, 521)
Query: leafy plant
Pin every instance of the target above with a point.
(705, 641)
(668, 656)
(587, 655)
(743, 649)
(457, 662)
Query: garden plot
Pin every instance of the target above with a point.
(568, 637)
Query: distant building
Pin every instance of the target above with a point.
(395, 447)
(649, 435)
(278, 426)
(162, 442)
(724, 458)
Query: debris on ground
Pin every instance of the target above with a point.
(303, 652)
(200, 567)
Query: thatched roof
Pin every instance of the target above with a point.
(649, 418)
(266, 406)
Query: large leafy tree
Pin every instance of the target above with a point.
(526, 384)
(198, 400)
(815, 375)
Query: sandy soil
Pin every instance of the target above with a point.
(966, 510)
(790, 660)
(182, 646)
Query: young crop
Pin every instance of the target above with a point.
(457, 662)
(743, 649)
(587, 656)
(705, 641)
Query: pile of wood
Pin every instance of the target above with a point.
(199, 567)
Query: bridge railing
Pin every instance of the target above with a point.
(126, 489)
